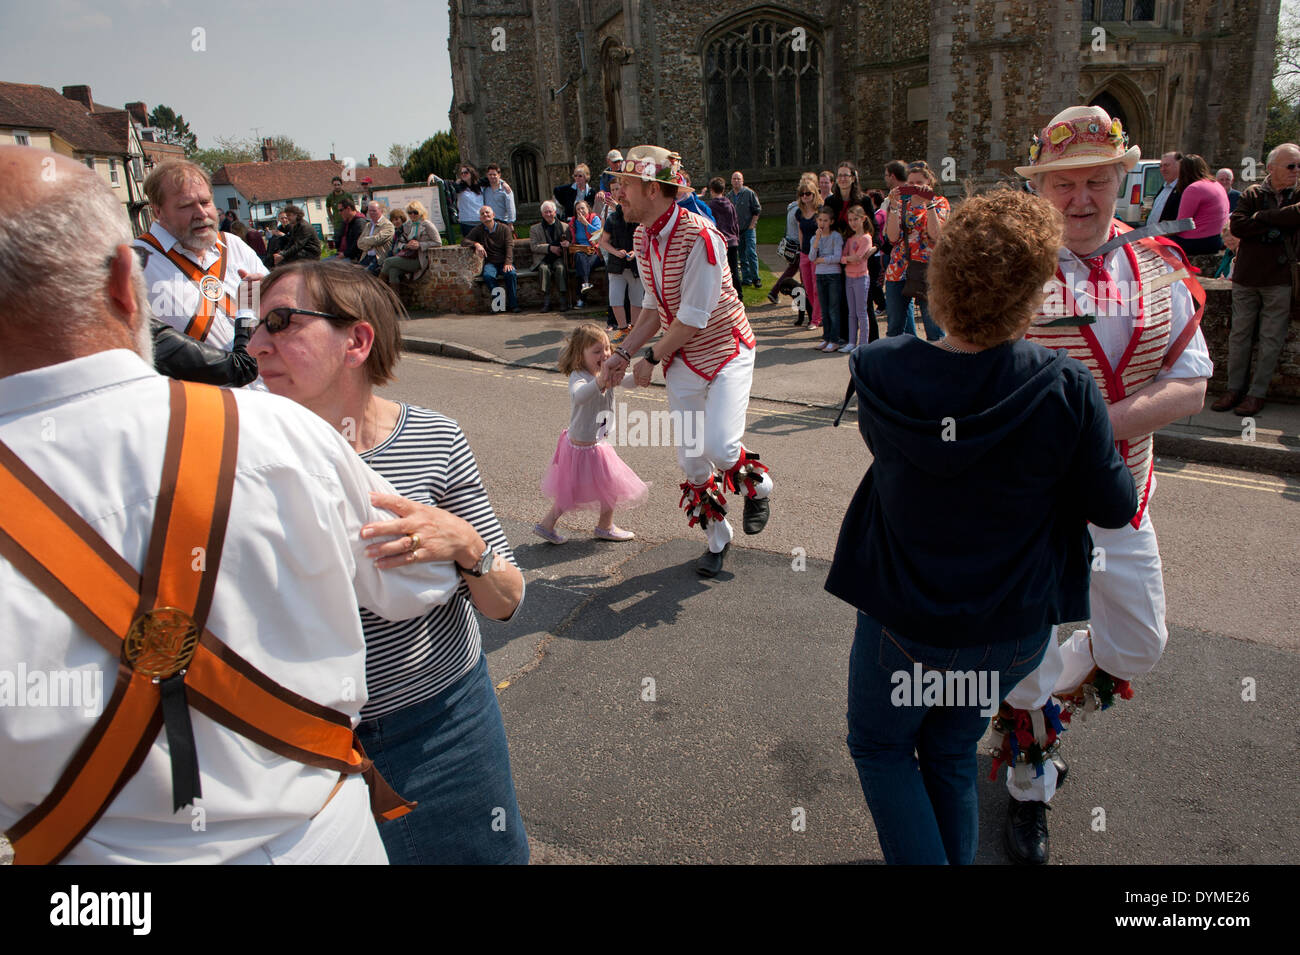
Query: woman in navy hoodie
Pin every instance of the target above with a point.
(957, 599)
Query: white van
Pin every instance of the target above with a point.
(1141, 186)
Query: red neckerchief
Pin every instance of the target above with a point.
(1100, 281)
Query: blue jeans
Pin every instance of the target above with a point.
(749, 256)
(917, 763)
(491, 274)
(449, 754)
(830, 293)
(899, 311)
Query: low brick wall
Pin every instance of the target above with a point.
(450, 286)
(1217, 323)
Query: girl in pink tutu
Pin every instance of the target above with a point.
(586, 472)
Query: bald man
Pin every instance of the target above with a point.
(84, 449)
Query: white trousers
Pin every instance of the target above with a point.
(716, 410)
(1127, 636)
(342, 833)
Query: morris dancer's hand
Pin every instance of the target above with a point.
(419, 533)
(642, 372)
(248, 286)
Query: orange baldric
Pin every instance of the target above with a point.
(101, 593)
(211, 283)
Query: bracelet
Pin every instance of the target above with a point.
(621, 352)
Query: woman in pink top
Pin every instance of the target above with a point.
(1203, 200)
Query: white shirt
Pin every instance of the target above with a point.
(293, 571)
(1115, 329)
(175, 299)
(1158, 205)
(701, 282)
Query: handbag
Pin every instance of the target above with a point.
(409, 253)
(788, 249)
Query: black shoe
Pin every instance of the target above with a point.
(1062, 767)
(757, 511)
(1025, 834)
(710, 564)
(799, 321)
(546, 304)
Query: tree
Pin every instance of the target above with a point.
(398, 154)
(438, 154)
(1283, 123)
(230, 149)
(172, 128)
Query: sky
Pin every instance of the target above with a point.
(348, 78)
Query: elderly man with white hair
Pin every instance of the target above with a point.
(549, 239)
(376, 238)
(1115, 306)
(1267, 221)
(195, 271)
(194, 551)
(1225, 178)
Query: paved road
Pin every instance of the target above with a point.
(747, 721)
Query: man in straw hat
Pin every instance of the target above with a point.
(1125, 304)
(707, 347)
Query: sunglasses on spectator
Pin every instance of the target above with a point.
(277, 319)
(1292, 166)
(413, 212)
(805, 193)
(141, 255)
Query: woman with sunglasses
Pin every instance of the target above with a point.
(329, 335)
(805, 217)
(413, 254)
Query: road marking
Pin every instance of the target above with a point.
(1249, 484)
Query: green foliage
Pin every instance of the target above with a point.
(438, 155)
(399, 153)
(172, 128)
(231, 149)
(1283, 124)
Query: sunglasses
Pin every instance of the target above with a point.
(141, 255)
(1292, 166)
(805, 193)
(414, 214)
(277, 319)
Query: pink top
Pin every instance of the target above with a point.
(854, 247)
(1207, 203)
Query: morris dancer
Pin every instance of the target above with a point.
(707, 348)
(194, 272)
(1130, 310)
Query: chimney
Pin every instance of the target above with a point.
(373, 161)
(269, 152)
(332, 159)
(139, 113)
(80, 94)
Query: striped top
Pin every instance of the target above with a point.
(728, 326)
(428, 460)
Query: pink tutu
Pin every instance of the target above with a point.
(591, 478)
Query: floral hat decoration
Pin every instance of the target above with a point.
(649, 164)
(1077, 138)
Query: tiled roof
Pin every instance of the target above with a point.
(39, 107)
(299, 178)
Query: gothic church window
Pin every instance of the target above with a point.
(523, 178)
(763, 94)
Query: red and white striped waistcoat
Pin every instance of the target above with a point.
(1148, 347)
(719, 341)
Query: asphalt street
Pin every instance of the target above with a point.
(657, 717)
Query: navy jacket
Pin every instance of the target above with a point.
(970, 526)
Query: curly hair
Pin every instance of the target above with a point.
(356, 296)
(989, 267)
(583, 337)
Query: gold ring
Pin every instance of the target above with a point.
(415, 542)
(410, 556)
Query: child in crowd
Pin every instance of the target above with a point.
(586, 241)
(586, 472)
(825, 250)
(857, 278)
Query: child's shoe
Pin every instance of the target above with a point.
(555, 537)
(614, 533)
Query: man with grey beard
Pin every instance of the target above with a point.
(198, 277)
(200, 547)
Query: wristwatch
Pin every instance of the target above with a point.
(649, 355)
(483, 564)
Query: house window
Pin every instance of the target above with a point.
(763, 91)
(318, 206)
(523, 170)
(112, 171)
(232, 205)
(90, 162)
(22, 137)
(266, 208)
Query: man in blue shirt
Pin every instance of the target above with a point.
(498, 195)
(1167, 199)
